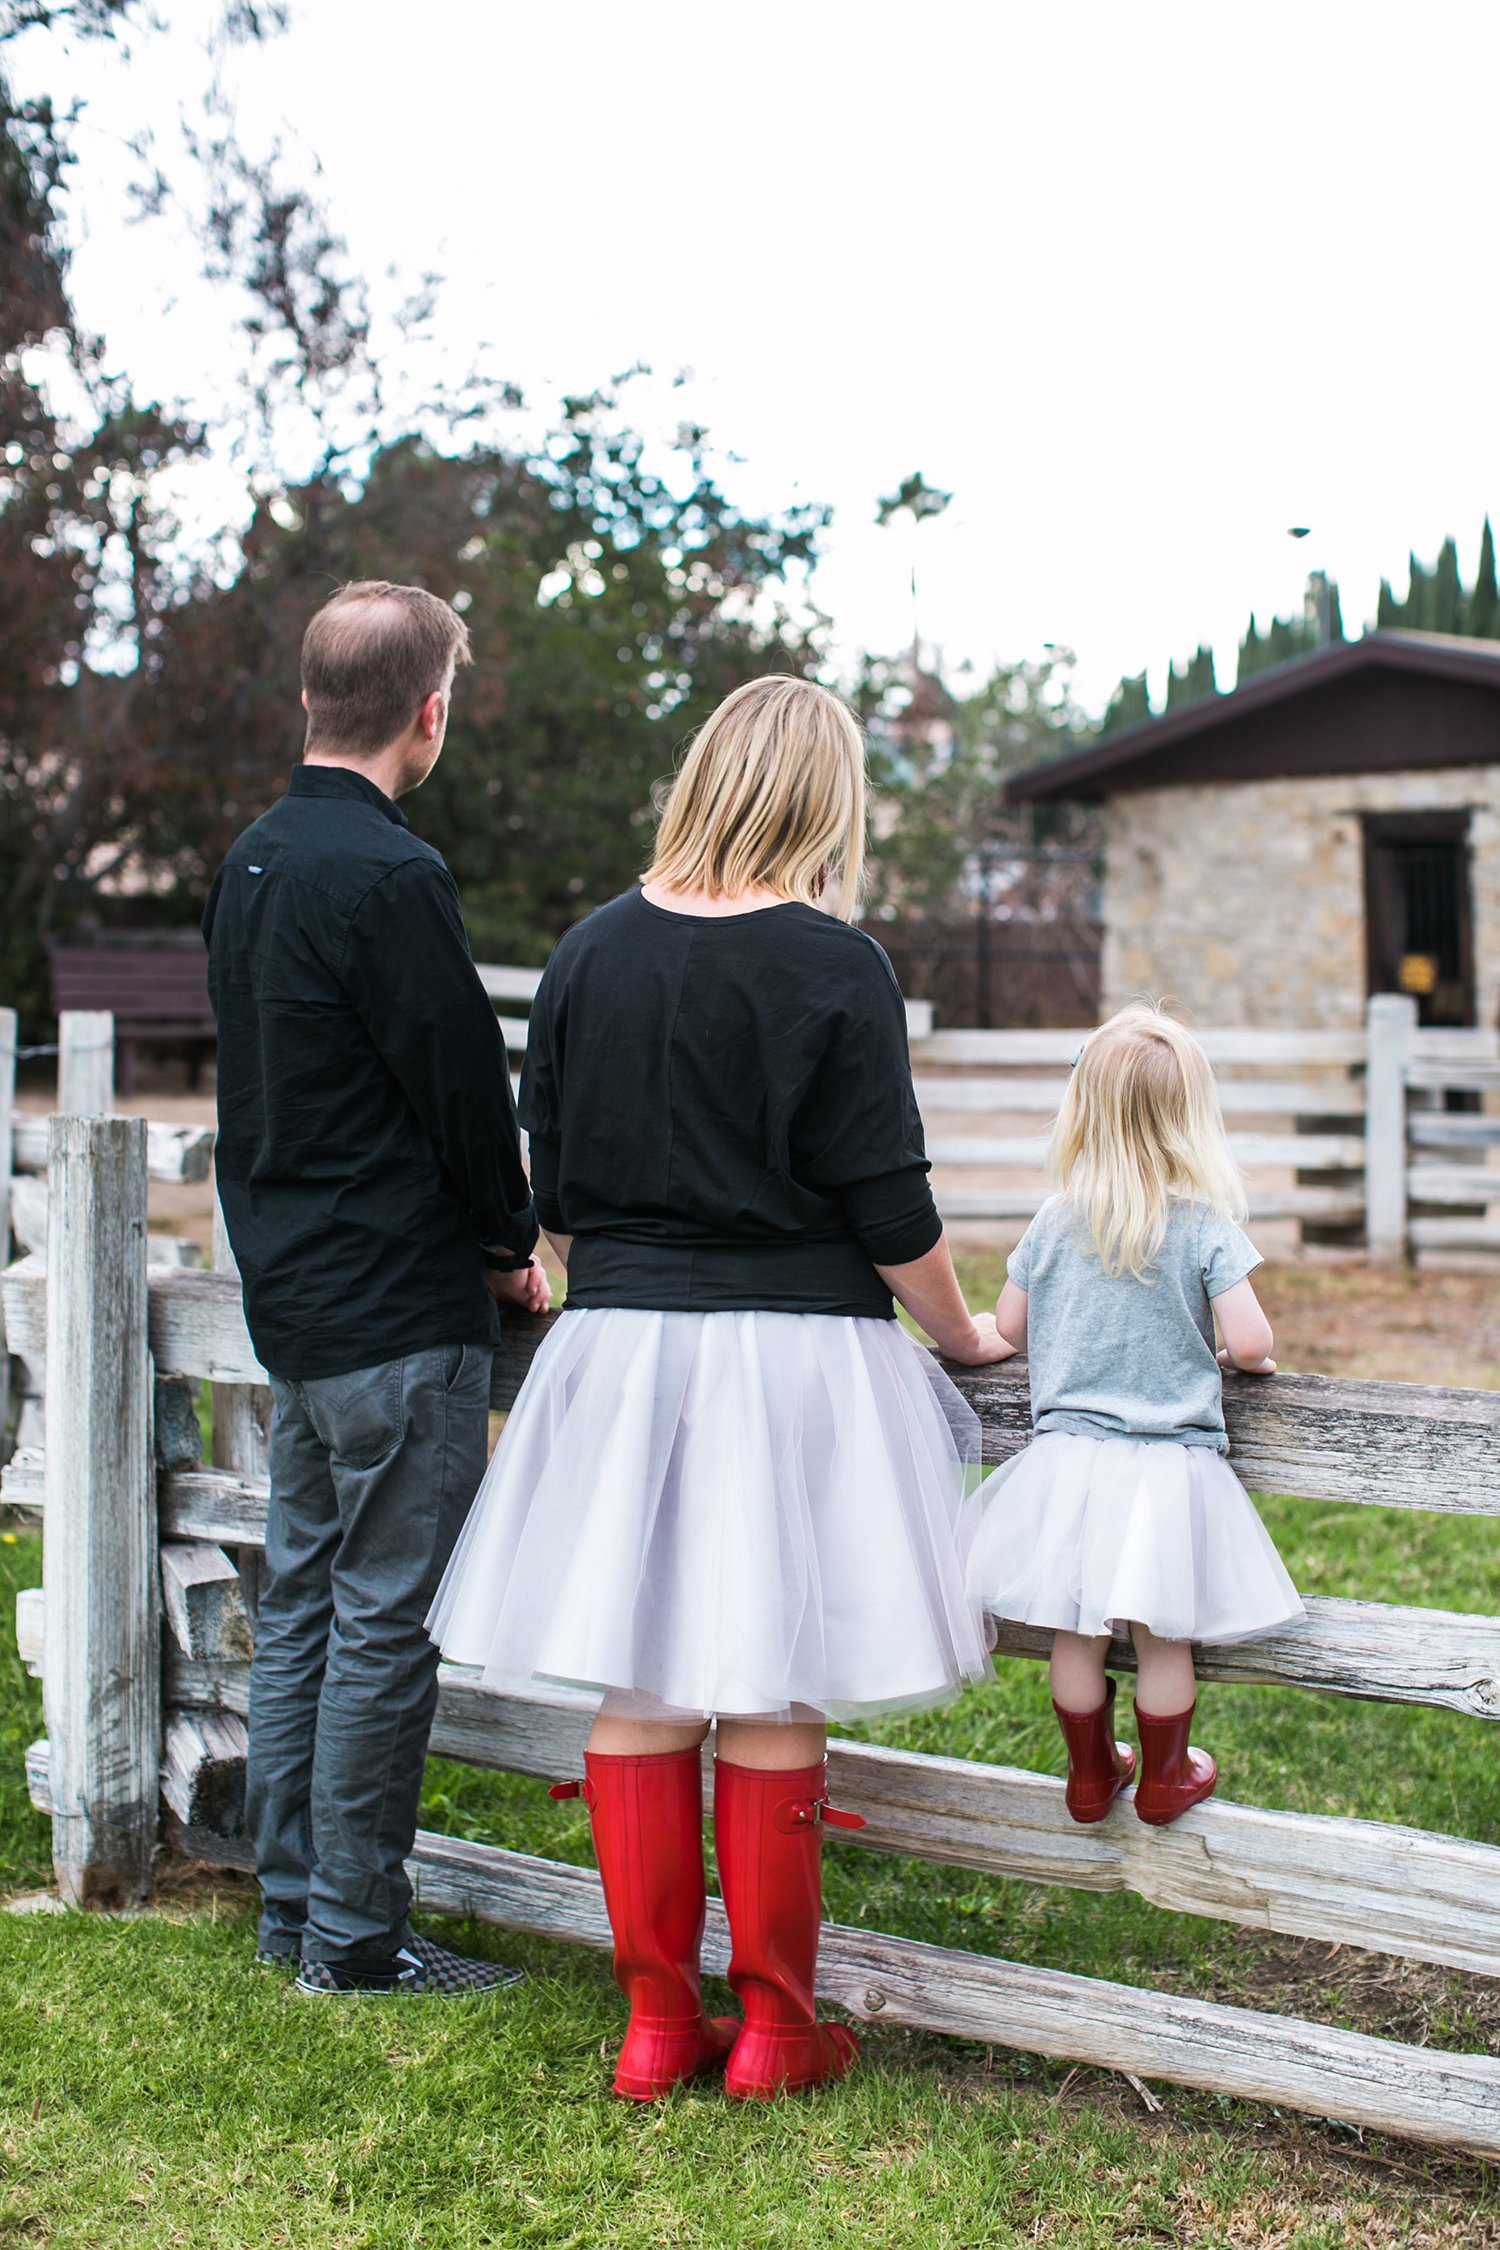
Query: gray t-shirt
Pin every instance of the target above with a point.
(1111, 1356)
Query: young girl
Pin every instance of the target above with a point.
(731, 1484)
(1123, 1510)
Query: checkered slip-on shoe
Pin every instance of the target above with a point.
(419, 1966)
(270, 1957)
(457, 1972)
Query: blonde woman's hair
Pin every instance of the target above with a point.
(770, 796)
(1139, 1125)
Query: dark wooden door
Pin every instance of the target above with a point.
(1417, 915)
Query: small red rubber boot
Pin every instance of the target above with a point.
(767, 1836)
(1098, 1766)
(647, 1818)
(1174, 1776)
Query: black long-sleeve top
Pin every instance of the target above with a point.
(369, 1159)
(721, 1113)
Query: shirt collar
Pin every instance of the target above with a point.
(343, 781)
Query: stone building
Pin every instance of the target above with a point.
(1329, 830)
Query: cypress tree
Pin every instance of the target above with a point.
(1482, 612)
(1130, 703)
(1336, 614)
(1387, 609)
(1253, 657)
(1446, 603)
(1416, 610)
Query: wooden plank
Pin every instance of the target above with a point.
(85, 1062)
(1404, 1445)
(1373, 1652)
(1287, 1151)
(9, 1035)
(1453, 1183)
(180, 1154)
(1332, 1205)
(1455, 1234)
(504, 983)
(993, 1095)
(1230, 1048)
(1450, 2100)
(1464, 1078)
(1357, 1882)
(202, 1601)
(103, 1676)
(203, 1780)
(1433, 1043)
(31, 1630)
(1444, 1660)
(203, 1770)
(1445, 1128)
(1390, 1445)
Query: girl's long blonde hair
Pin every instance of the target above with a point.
(1140, 1124)
(770, 796)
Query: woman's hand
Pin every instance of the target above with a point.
(983, 1347)
(1265, 1366)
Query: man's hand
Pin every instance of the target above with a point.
(529, 1290)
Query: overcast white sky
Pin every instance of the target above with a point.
(1143, 285)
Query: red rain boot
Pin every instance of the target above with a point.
(766, 1834)
(647, 1818)
(1098, 1766)
(1174, 1777)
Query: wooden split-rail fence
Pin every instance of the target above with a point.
(142, 1629)
(1349, 1133)
(85, 1087)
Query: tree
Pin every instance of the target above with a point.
(939, 762)
(1196, 678)
(1482, 611)
(1130, 703)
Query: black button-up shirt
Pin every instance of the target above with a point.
(369, 1159)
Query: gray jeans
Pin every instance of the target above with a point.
(372, 1475)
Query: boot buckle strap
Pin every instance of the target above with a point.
(561, 1790)
(813, 1812)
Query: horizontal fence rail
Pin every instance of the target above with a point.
(1422, 1896)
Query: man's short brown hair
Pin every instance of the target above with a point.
(370, 659)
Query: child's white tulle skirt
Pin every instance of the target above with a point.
(758, 1513)
(1083, 1534)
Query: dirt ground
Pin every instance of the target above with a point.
(1332, 1315)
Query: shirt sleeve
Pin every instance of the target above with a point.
(858, 1135)
(1018, 1264)
(409, 973)
(541, 1098)
(1225, 1254)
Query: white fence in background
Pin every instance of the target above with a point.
(1345, 1132)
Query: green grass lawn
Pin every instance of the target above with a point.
(156, 2089)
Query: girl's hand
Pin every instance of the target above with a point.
(984, 1346)
(1262, 1367)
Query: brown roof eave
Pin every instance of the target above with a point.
(1086, 775)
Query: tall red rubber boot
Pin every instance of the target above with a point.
(1174, 1776)
(1098, 1766)
(767, 1836)
(647, 1818)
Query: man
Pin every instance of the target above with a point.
(370, 1173)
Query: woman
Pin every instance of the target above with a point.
(732, 1488)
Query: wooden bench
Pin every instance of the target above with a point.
(155, 986)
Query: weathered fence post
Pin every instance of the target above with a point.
(9, 1028)
(86, 1062)
(100, 1575)
(1391, 1018)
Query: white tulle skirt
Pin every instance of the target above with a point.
(758, 1513)
(1083, 1534)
